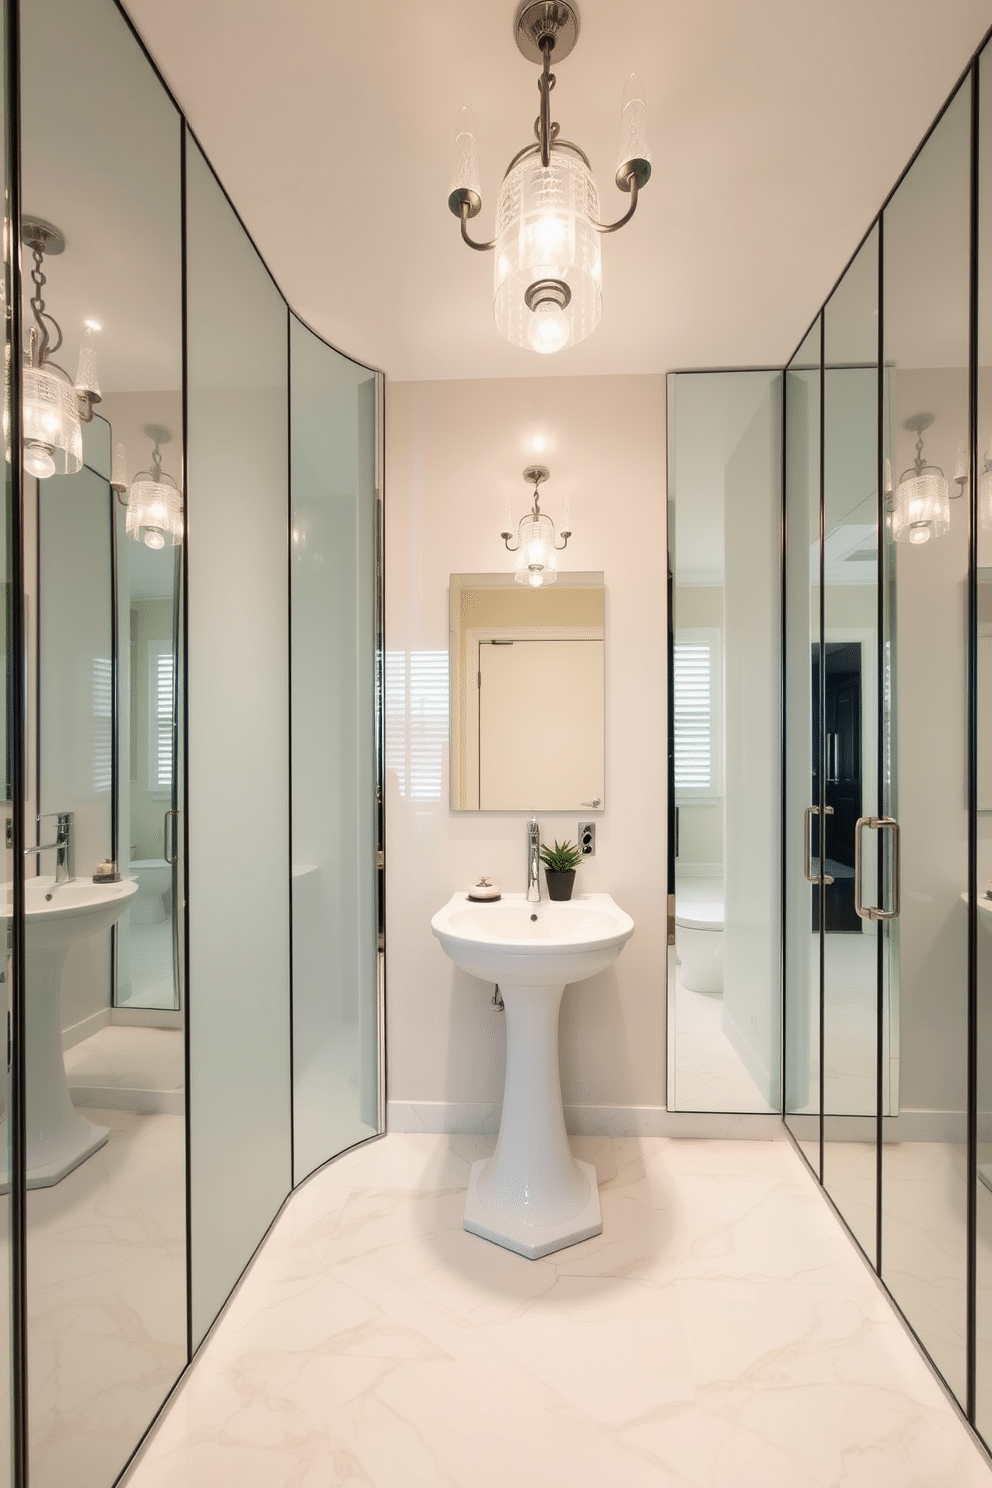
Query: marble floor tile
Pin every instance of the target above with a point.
(720, 1333)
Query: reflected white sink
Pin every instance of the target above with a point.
(540, 945)
(56, 916)
(532, 1196)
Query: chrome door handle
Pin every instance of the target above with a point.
(810, 877)
(171, 858)
(878, 823)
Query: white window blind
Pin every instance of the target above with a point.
(697, 723)
(417, 721)
(103, 723)
(161, 703)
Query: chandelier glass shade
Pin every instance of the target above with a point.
(547, 280)
(53, 433)
(921, 507)
(54, 408)
(154, 501)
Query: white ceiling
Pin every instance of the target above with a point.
(777, 126)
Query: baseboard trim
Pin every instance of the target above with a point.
(86, 1028)
(478, 1118)
(122, 1098)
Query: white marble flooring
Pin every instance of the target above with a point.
(106, 1279)
(709, 1074)
(134, 1069)
(720, 1333)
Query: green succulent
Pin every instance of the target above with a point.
(564, 857)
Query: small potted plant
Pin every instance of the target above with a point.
(560, 863)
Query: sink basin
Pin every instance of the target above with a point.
(56, 916)
(532, 1196)
(546, 944)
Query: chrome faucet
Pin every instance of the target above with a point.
(63, 846)
(533, 861)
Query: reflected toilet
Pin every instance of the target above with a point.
(152, 903)
(699, 933)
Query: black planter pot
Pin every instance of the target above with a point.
(560, 885)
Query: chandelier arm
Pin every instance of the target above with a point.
(560, 547)
(463, 215)
(506, 542)
(611, 227)
(544, 84)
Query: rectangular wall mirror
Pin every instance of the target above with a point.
(527, 693)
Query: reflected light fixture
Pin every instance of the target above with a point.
(548, 274)
(537, 543)
(55, 408)
(985, 492)
(921, 506)
(154, 501)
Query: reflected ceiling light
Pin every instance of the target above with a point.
(154, 502)
(537, 542)
(548, 276)
(55, 408)
(985, 492)
(921, 505)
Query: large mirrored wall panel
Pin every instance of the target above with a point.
(802, 1002)
(925, 570)
(335, 920)
(725, 444)
(844, 699)
(238, 785)
(982, 509)
(8, 743)
(106, 1144)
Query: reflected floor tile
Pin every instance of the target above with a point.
(720, 1333)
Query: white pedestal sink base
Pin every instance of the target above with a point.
(532, 1239)
(532, 1196)
(88, 1137)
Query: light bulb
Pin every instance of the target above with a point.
(920, 533)
(465, 176)
(119, 474)
(154, 538)
(38, 461)
(549, 329)
(536, 580)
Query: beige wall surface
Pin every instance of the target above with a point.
(454, 460)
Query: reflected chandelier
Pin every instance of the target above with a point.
(537, 542)
(154, 502)
(921, 504)
(548, 274)
(55, 408)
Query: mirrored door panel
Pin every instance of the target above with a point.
(982, 510)
(106, 1203)
(725, 440)
(803, 629)
(844, 757)
(925, 567)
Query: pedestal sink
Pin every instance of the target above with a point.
(532, 1196)
(56, 917)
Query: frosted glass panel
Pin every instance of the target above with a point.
(335, 982)
(238, 763)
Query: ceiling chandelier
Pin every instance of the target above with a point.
(55, 408)
(921, 504)
(154, 502)
(548, 274)
(537, 543)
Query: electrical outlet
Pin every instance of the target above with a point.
(587, 839)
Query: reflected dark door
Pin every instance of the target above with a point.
(842, 786)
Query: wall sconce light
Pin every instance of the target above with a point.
(55, 409)
(548, 273)
(154, 502)
(985, 492)
(537, 542)
(921, 505)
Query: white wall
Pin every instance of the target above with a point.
(454, 460)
